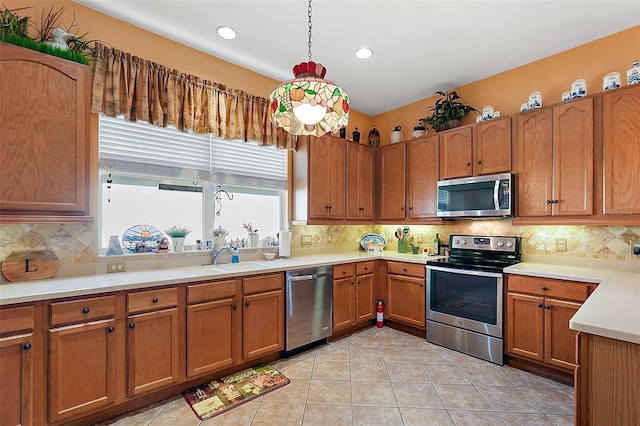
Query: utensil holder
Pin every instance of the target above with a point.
(402, 246)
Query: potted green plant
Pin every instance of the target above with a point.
(447, 112)
(177, 234)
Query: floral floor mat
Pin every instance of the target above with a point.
(219, 396)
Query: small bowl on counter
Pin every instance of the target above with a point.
(269, 256)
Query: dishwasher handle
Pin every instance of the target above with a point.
(302, 277)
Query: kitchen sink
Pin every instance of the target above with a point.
(236, 267)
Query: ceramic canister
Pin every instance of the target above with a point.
(611, 81)
(579, 88)
(524, 107)
(487, 112)
(566, 95)
(535, 100)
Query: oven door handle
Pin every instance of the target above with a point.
(465, 271)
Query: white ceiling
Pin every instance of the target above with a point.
(419, 46)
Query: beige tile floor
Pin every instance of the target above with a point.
(386, 377)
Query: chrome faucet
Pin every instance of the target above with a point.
(215, 252)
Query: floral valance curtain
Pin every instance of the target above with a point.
(145, 91)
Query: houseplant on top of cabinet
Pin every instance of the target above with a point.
(447, 112)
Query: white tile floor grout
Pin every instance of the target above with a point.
(387, 377)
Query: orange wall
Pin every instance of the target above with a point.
(504, 91)
(551, 76)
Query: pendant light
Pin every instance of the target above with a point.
(309, 104)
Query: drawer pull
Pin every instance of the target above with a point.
(247, 303)
(539, 305)
(352, 282)
(366, 268)
(154, 300)
(547, 306)
(132, 325)
(235, 306)
(111, 329)
(404, 269)
(85, 310)
(544, 288)
(26, 346)
(358, 282)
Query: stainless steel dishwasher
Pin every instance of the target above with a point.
(309, 306)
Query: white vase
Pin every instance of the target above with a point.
(252, 240)
(178, 243)
(418, 133)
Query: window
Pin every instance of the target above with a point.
(162, 177)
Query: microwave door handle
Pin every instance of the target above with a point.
(496, 191)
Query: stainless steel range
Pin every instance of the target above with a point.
(465, 295)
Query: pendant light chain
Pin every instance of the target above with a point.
(309, 13)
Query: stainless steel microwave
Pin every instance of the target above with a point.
(479, 196)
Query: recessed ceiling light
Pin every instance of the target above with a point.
(364, 53)
(226, 33)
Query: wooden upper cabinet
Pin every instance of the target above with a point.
(621, 140)
(422, 177)
(45, 137)
(555, 160)
(327, 169)
(492, 147)
(456, 153)
(359, 182)
(392, 182)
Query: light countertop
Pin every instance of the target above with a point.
(613, 310)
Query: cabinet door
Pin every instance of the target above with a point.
(359, 182)
(365, 310)
(262, 324)
(492, 147)
(406, 300)
(392, 181)
(220, 318)
(327, 162)
(573, 158)
(560, 340)
(82, 368)
(344, 303)
(535, 164)
(455, 153)
(621, 139)
(45, 133)
(153, 344)
(525, 326)
(16, 373)
(422, 178)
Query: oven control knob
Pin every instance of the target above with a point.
(509, 244)
(500, 243)
(463, 242)
(457, 242)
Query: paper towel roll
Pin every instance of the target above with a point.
(284, 248)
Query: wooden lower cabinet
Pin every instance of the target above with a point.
(406, 295)
(212, 310)
(353, 296)
(344, 303)
(537, 315)
(18, 350)
(153, 341)
(262, 315)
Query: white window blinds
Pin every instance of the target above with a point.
(143, 149)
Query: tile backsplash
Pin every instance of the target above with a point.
(77, 244)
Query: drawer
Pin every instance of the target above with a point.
(343, 271)
(15, 320)
(412, 269)
(82, 310)
(562, 289)
(197, 293)
(152, 300)
(363, 268)
(263, 283)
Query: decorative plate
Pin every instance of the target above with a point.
(141, 238)
(373, 238)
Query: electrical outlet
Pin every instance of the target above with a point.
(329, 237)
(420, 238)
(635, 246)
(561, 244)
(306, 240)
(115, 267)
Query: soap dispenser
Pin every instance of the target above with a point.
(235, 258)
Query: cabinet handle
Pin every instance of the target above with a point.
(404, 269)
(543, 288)
(111, 329)
(358, 282)
(421, 285)
(235, 306)
(26, 346)
(547, 201)
(401, 208)
(366, 268)
(554, 201)
(547, 306)
(329, 207)
(344, 271)
(326, 207)
(154, 300)
(479, 162)
(132, 326)
(361, 209)
(85, 310)
(247, 303)
(352, 283)
(468, 164)
(539, 305)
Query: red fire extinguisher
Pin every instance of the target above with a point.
(380, 313)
